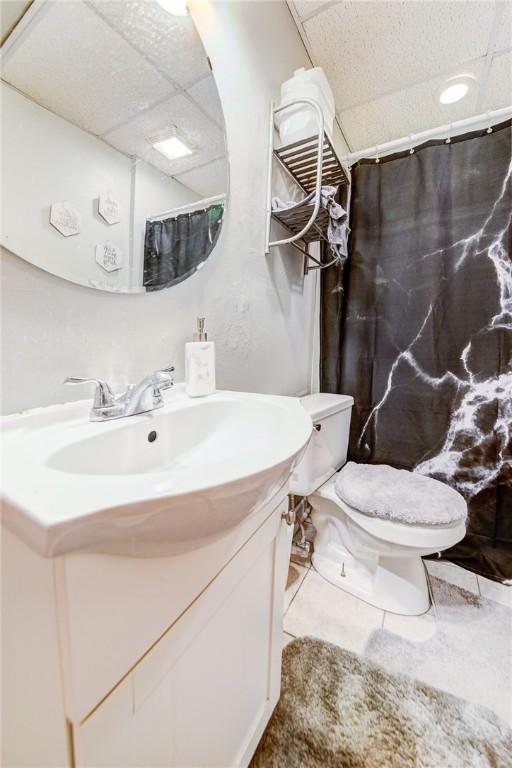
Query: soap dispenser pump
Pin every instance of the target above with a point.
(200, 363)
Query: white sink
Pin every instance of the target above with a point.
(113, 487)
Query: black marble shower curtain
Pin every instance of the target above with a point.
(417, 326)
(175, 247)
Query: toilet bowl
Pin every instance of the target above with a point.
(375, 559)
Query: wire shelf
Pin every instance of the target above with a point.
(295, 219)
(300, 160)
(312, 163)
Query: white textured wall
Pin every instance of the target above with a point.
(64, 162)
(47, 160)
(259, 308)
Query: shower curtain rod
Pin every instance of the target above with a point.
(197, 205)
(486, 120)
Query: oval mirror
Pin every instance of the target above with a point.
(113, 143)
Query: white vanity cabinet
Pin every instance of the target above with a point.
(203, 694)
(203, 689)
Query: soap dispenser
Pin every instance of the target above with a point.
(200, 363)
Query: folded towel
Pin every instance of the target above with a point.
(378, 490)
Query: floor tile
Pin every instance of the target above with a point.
(453, 574)
(296, 574)
(322, 610)
(414, 628)
(494, 591)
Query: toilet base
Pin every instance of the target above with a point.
(395, 584)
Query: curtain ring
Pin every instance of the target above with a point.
(448, 140)
(377, 159)
(411, 148)
(489, 128)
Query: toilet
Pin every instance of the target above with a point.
(378, 560)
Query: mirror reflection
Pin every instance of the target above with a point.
(113, 144)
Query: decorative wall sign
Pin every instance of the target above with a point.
(109, 208)
(65, 219)
(109, 257)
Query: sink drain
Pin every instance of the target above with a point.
(152, 436)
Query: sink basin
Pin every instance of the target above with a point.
(149, 485)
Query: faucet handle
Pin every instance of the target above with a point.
(164, 378)
(103, 397)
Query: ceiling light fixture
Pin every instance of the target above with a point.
(453, 93)
(175, 7)
(172, 148)
(456, 88)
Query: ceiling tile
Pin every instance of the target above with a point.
(62, 65)
(412, 110)
(498, 93)
(171, 43)
(371, 48)
(10, 15)
(208, 180)
(305, 8)
(205, 94)
(179, 111)
(504, 36)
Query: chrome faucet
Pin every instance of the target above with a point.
(147, 394)
(139, 398)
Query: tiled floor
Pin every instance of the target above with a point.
(467, 614)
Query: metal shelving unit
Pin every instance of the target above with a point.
(312, 163)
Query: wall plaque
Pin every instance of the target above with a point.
(109, 208)
(109, 257)
(65, 219)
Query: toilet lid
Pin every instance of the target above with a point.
(378, 490)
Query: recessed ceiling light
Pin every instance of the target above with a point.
(176, 7)
(453, 93)
(172, 148)
(455, 89)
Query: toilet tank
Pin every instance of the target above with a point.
(327, 449)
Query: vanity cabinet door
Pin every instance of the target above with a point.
(203, 694)
(106, 738)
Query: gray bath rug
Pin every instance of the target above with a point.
(470, 653)
(338, 710)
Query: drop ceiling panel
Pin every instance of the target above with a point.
(504, 36)
(387, 61)
(370, 48)
(307, 8)
(179, 111)
(170, 43)
(409, 111)
(208, 180)
(499, 89)
(62, 66)
(206, 95)
(10, 14)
